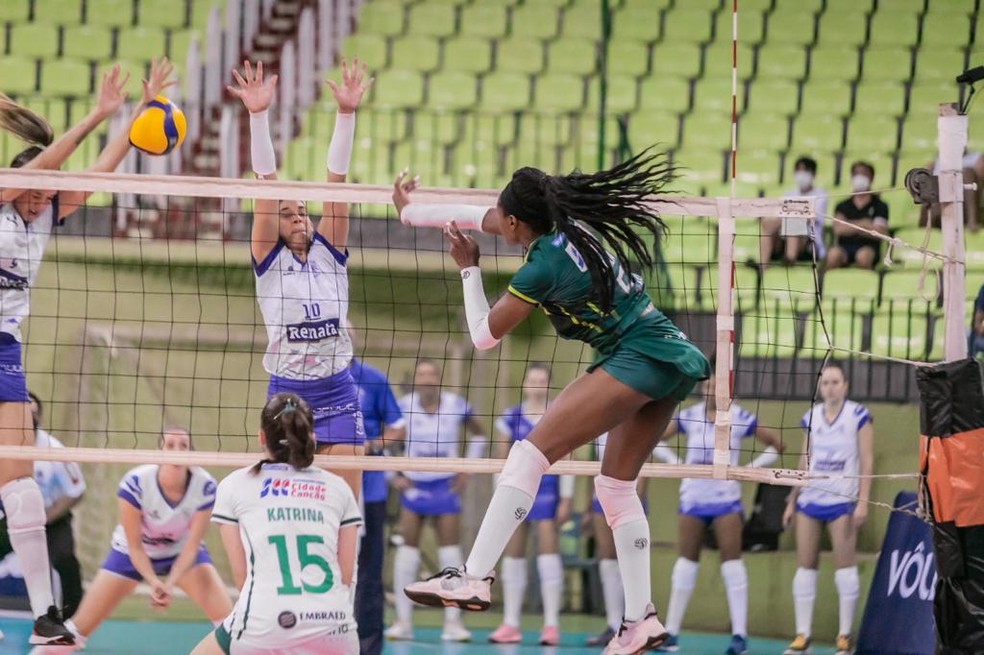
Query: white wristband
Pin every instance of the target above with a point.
(340, 146)
(477, 308)
(468, 217)
(664, 453)
(261, 145)
(766, 457)
(565, 486)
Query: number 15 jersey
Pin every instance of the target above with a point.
(288, 522)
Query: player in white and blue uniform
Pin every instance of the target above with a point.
(551, 508)
(435, 422)
(302, 285)
(164, 514)
(714, 503)
(290, 530)
(839, 437)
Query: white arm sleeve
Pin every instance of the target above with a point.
(766, 457)
(477, 308)
(476, 447)
(261, 145)
(566, 486)
(340, 146)
(664, 453)
(468, 217)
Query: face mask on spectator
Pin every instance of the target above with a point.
(860, 182)
(803, 180)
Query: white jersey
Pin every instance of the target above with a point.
(833, 451)
(434, 435)
(699, 431)
(57, 480)
(22, 248)
(163, 526)
(304, 305)
(289, 521)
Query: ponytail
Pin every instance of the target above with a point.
(26, 126)
(287, 422)
(595, 210)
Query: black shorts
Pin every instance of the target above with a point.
(852, 248)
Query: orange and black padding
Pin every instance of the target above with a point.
(951, 460)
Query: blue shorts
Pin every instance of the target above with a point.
(120, 564)
(334, 403)
(13, 384)
(708, 513)
(825, 513)
(431, 498)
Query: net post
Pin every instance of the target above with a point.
(725, 338)
(952, 127)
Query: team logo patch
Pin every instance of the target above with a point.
(641, 543)
(287, 620)
(284, 488)
(520, 513)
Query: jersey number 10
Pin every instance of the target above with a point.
(305, 559)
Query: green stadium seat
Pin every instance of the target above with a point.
(813, 133)
(379, 125)
(894, 28)
(371, 163)
(549, 3)
(558, 92)
(775, 97)
(781, 61)
(751, 26)
(485, 20)
(627, 58)
(18, 75)
(622, 96)
(54, 110)
(505, 91)
(577, 56)
(452, 90)
(925, 99)
(916, 236)
(65, 77)
(715, 95)
(544, 129)
(670, 94)
(790, 288)
(88, 41)
(439, 126)
(758, 168)
(299, 158)
(900, 335)
(14, 11)
(762, 132)
(519, 55)
(687, 26)
(34, 40)
(838, 28)
(852, 283)
(398, 88)
(137, 43)
(200, 10)
(429, 19)
(690, 241)
(381, 17)
(919, 133)
(635, 5)
(848, 6)
(844, 329)
(827, 97)
(767, 333)
(651, 127)
(675, 287)
(937, 64)
(711, 130)
(717, 59)
(468, 54)
(638, 22)
(422, 156)
(945, 30)
(415, 52)
(169, 15)
(974, 258)
(539, 21)
(874, 133)
(539, 154)
(178, 43)
(371, 48)
(61, 12)
(138, 70)
(582, 21)
(837, 62)
(676, 60)
(886, 65)
(791, 25)
(909, 7)
(498, 130)
(880, 98)
(747, 240)
(115, 13)
(901, 287)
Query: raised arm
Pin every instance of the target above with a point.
(257, 95)
(334, 223)
(466, 217)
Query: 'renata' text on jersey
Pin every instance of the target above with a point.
(555, 277)
(304, 305)
(288, 521)
(22, 246)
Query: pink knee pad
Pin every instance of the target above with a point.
(524, 468)
(619, 501)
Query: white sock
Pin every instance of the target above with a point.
(804, 594)
(684, 579)
(406, 563)
(848, 589)
(634, 562)
(24, 507)
(736, 587)
(612, 591)
(513, 588)
(551, 570)
(450, 556)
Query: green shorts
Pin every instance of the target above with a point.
(224, 638)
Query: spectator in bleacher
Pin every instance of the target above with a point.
(975, 345)
(62, 487)
(864, 210)
(773, 246)
(973, 173)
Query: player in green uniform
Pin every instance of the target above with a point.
(644, 368)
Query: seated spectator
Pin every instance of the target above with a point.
(973, 173)
(975, 342)
(864, 210)
(773, 246)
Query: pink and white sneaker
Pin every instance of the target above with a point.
(452, 587)
(638, 636)
(549, 636)
(506, 634)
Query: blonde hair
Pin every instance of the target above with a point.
(26, 126)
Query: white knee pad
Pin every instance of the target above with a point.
(524, 468)
(23, 504)
(619, 500)
(684, 574)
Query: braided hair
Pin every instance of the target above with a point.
(287, 422)
(595, 210)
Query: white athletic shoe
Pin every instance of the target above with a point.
(637, 636)
(399, 632)
(455, 631)
(452, 587)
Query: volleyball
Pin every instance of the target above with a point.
(160, 127)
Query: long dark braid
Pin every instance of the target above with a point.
(611, 203)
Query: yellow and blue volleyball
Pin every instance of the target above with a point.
(160, 127)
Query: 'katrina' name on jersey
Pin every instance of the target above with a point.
(284, 487)
(312, 332)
